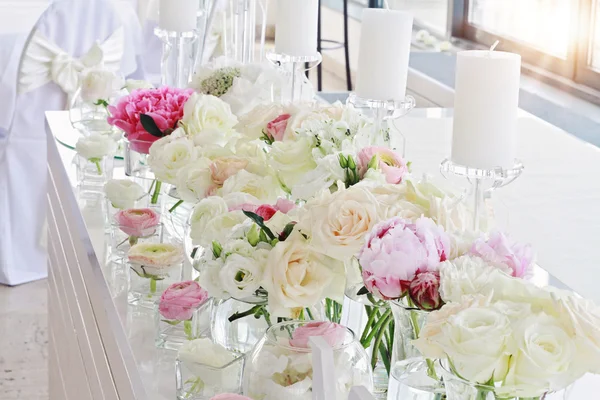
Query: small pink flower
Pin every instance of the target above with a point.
(164, 105)
(424, 290)
(389, 162)
(138, 222)
(178, 301)
(230, 396)
(276, 128)
(334, 334)
(396, 250)
(502, 252)
(266, 211)
(223, 168)
(284, 205)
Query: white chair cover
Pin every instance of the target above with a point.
(65, 34)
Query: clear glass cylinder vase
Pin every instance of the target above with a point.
(414, 379)
(93, 174)
(89, 117)
(190, 323)
(136, 158)
(408, 321)
(146, 285)
(178, 57)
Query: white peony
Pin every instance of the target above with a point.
(123, 193)
(194, 181)
(338, 223)
(240, 276)
(168, 155)
(291, 160)
(133, 84)
(100, 84)
(208, 120)
(264, 188)
(95, 147)
(296, 276)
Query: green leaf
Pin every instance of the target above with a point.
(260, 222)
(363, 290)
(286, 231)
(175, 322)
(373, 163)
(101, 102)
(216, 249)
(150, 126)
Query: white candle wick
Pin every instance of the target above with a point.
(496, 43)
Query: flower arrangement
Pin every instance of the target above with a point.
(180, 305)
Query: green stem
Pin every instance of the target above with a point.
(310, 315)
(175, 206)
(132, 240)
(371, 311)
(157, 186)
(385, 357)
(377, 328)
(98, 167)
(187, 328)
(382, 327)
(251, 311)
(152, 285)
(414, 319)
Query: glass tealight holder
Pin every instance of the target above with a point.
(92, 174)
(122, 237)
(197, 381)
(146, 284)
(176, 324)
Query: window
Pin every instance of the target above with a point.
(430, 14)
(595, 42)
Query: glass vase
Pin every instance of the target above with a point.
(136, 158)
(89, 117)
(412, 379)
(275, 369)
(197, 381)
(175, 216)
(408, 321)
(122, 237)
(192, 323)
(92, 174)
(145, 286)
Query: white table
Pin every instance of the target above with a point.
(551, 206)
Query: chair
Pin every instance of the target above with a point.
(57, 49)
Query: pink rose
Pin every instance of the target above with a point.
(224, 167)
(276, 128)
(388, 161)
(138, 222)
(334, 334)
(178, 301)
(396, 250)
(164, 105)
(424, 290)
(230, 396)
(266, 211)
(502, 252)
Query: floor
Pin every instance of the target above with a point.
(23, 342)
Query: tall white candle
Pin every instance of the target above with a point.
(383, 54)
(486, 102)
(296, 27)
(178, 15)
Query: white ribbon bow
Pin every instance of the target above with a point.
(45, 62)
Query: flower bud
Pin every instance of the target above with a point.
(424, 291)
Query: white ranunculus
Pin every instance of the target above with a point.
(292, 159)
(194, 181)
(463, 276)
(208, 120)
(123, 193)
(296, 276)
(168, 155)
(241, 276)
(134, 84)
(545, 358)
(204, 359)
(202, 214)
(95, 146)
(264, 188)
(339, 222)
(100, 84)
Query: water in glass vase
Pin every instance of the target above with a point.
(412, 379)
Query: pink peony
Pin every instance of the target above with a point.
(138, 222)
(230, 396)
(179, 300)
(502, 252)
(396, 250)
(276, 128)
(388, 161)
(164, 105)
(334, 334)
(424, 290)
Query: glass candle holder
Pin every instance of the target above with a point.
(198, 381)
(123, 236)
(92, 174)
(187, 323)
(146, 284)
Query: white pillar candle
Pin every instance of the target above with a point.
(296, 27)
(178, 15)
(383, 54)
(486, 102)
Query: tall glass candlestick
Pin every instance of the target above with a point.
(177, 60)
(294, 68)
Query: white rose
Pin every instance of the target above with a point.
(264, 188)
(253, 123)
(254, 153)
(194, 181)
(209, 276)
(123, 193)
(240, 276)
(545, 358)
(392, 200)
(170, 154)
(298, 277)
(99, 84)
(236, 199)
(463, 276)
(133, 84)
(208, 120)
(95, 147)
(292, 159)
(205, 360)
(202, 214)
(339, 222)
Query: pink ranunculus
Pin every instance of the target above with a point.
(223, 168)
(138, 222)
(284, 205)
(424, 290)
(230, 396)
(501, 251)
(178, 301)
(334, 334)
(276, 128)
(396, 250)
(388, 161)
(164, 105)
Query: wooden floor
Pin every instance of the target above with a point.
(24, 342)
